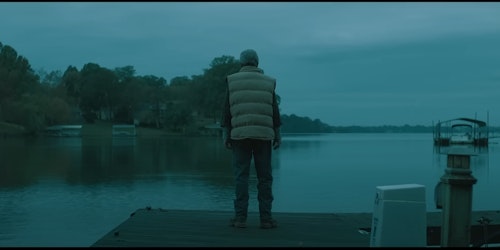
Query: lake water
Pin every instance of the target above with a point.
(72, 191)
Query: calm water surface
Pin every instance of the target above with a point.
(72, 191)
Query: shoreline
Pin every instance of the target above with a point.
(88, 130)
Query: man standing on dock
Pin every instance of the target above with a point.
(251, 126)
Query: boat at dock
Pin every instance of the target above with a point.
(461, 134)
(461, 131)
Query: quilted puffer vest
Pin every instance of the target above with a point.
(251, 104)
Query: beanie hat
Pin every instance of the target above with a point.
(249, 57)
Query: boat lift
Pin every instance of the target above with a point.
(461, 131)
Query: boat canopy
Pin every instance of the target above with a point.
(461, 125)
(477, 122)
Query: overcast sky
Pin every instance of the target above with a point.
(345, 63)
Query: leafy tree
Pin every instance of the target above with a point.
(125, 74)
(18, 82)
(16, 75)
(98, 92)
(211, 89)
(181, 88)
(180, 81)
(55, 110)
(36, 111)
(52, 78)
(297, 124)
(71, 79)
(125, 96)
(178, 116)
(155, 95)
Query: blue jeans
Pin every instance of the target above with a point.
(243, 150)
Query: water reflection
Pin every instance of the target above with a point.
(126, 158)
(93, 160)
(70, 191)
(23, 161)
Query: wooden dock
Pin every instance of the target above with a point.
(151, 227)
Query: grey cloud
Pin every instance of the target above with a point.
(342, 62)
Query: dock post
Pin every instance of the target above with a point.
(457, 200)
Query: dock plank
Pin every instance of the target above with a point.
(196, 228)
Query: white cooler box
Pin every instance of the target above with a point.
(399, 217)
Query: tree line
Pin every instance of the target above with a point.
(39, 99)
(35, 100)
